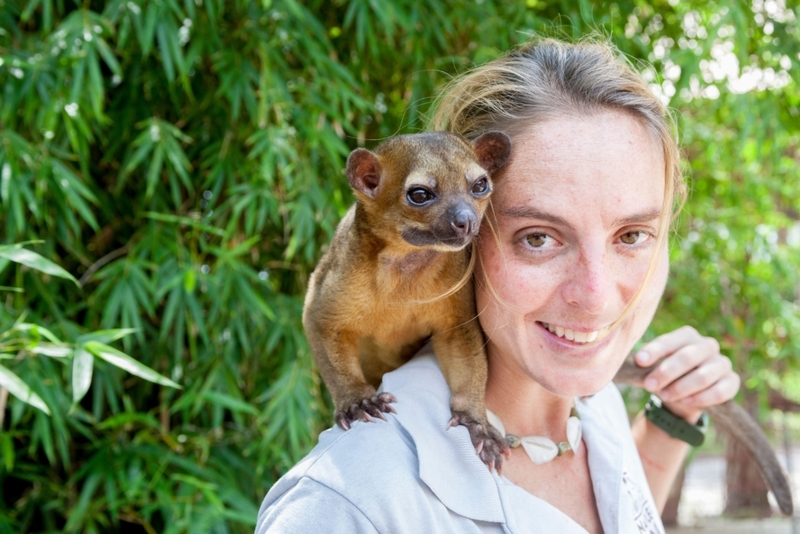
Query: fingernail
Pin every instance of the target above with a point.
(665, 396)
(643, 357)
(650, 384)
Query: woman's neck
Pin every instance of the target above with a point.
(525, 407)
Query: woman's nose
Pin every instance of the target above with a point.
(590, 284)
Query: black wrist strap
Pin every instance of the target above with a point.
(675, 426)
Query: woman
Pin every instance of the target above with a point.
(572, 264)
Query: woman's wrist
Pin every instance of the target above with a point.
(675, 426)
(690, 414)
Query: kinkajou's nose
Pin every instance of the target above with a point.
(464, 222)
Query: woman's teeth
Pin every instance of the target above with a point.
(577, 337)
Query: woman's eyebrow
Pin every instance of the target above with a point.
(639, 218)
(528, 212)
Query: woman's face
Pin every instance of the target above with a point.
(577, 209)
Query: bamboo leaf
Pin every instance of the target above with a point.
(194, 223)
(84, 501)
(108, 57)
(37, 331)
(54, 351)
(154, 173)
(82, 366)
(33, 260)
(106, 336)
(165, 52)
(124, 419)
(20, 389)
(11, 288)
(125, 362)
(7, 447)
(231, 403)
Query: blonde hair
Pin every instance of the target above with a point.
(546, 79)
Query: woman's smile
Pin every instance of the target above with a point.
(579, 336)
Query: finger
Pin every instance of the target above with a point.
(723, 390)
(681, 362)
(704, 376)
(666, 344)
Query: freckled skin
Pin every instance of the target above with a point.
(556, 257)
(591, 174)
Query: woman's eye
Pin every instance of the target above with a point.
(633, 238)
(419, 196)
(481, 186)
(538, 240)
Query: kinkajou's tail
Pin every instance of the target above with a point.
(733, 420)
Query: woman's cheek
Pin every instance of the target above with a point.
(496, 289)
(647, 306)
(659, 281)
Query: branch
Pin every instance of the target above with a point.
(108, 258)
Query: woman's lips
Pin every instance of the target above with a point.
(574, 335)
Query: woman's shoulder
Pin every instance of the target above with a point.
(359, 465)
(368, 452)
(342, 479)
(406, 474)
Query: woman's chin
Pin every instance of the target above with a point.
(568, 368)
(572, 383)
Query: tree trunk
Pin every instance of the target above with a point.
(746, 489)
(670, 514)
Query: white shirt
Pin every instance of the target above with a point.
(412, 475)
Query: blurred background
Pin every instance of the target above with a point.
(171, 169)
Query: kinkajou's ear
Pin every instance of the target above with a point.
(364, 171)
(493, 150)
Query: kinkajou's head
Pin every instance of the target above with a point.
(432, 188)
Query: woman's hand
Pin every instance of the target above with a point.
(691, 373)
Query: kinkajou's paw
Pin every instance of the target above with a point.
(365, 410)
(488, 443)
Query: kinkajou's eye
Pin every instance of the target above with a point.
(419, 196)
(480, 187)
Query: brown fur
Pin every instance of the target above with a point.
(372, 300)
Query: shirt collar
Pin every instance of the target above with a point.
(606, 458)
(448, 464)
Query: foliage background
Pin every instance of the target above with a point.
(182, 158)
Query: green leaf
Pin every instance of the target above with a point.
(154, 173)
(81, 508)
(37, 331)
(82, 365)
(125, 362)
(124, 419)
(231, 403)
(33, 260)
(189, 280)
(20, 389)
(54, 351)
(194, 223)
(106, 336)
(108, 57)
(13, 289)
(7, 446)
